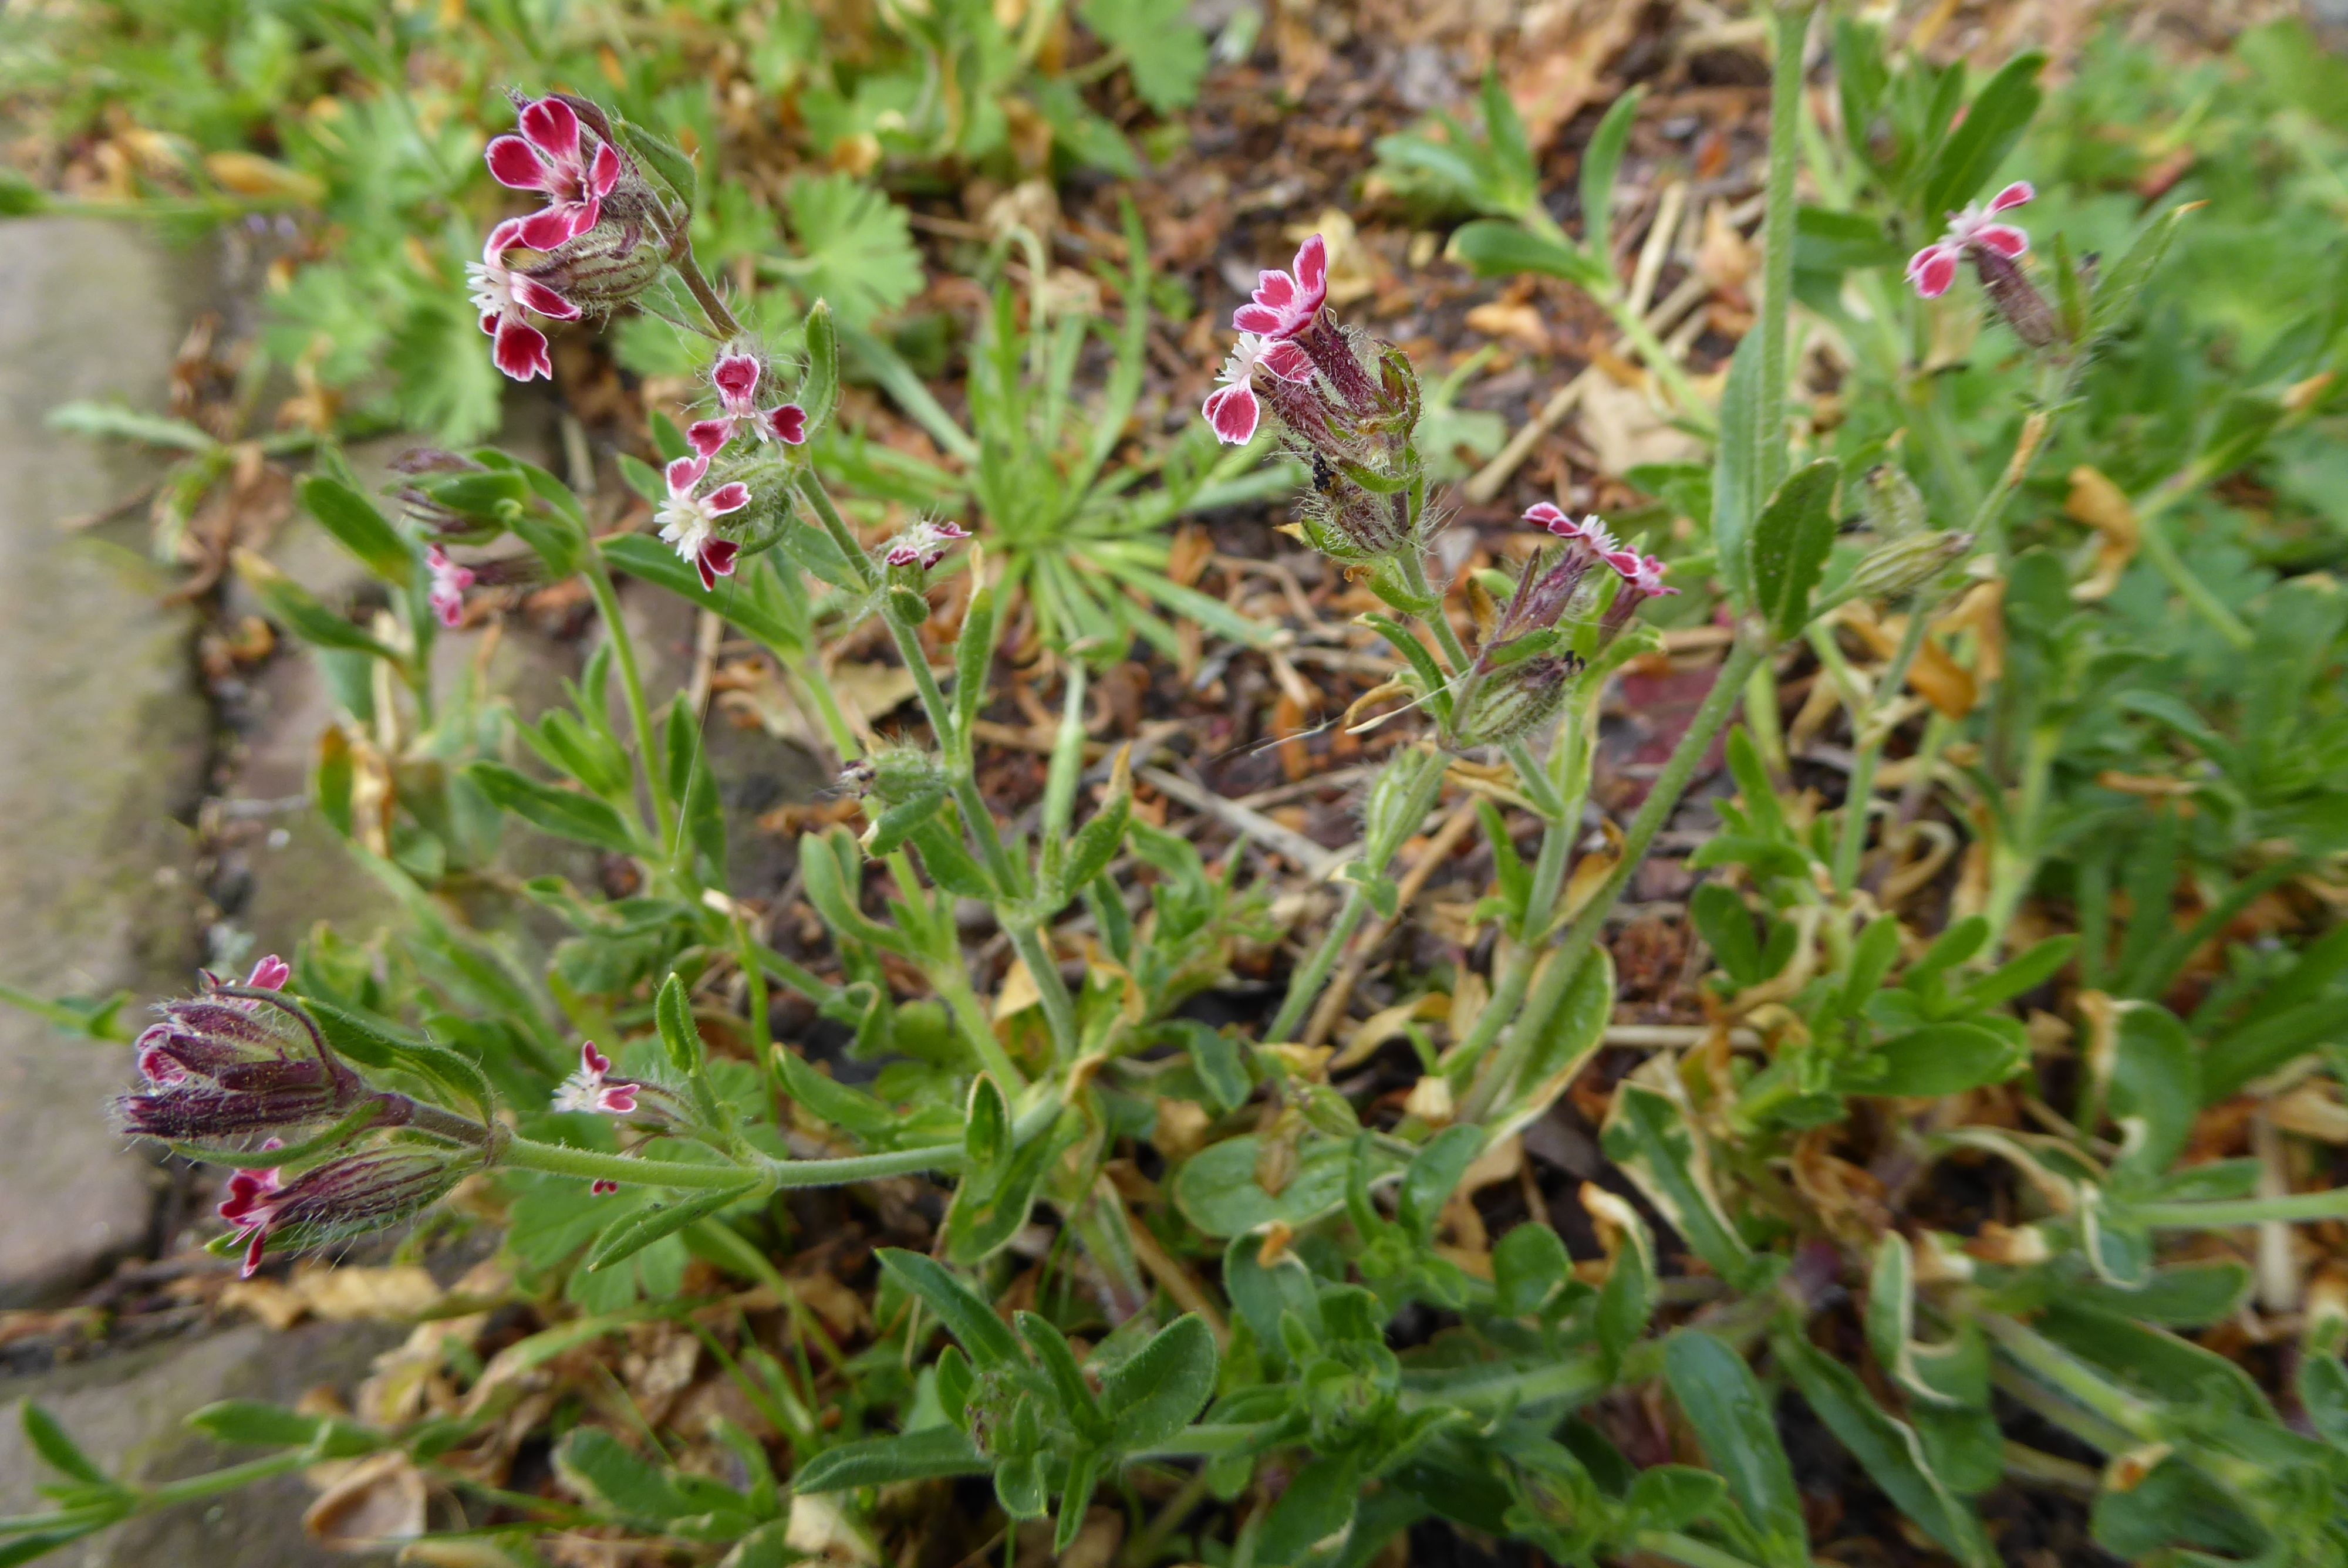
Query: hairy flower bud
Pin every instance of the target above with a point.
(345, 1196)
(1890, 503)
(1517, 700)
(227, 1067)
(895, 775)
(605, 267)
(2025, 309)
(1905, 565)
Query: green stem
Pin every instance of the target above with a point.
(753, 980)
(1685, 1549)
(818, 691)
(1304, 986)
(2224, 1213)
(2014, 861)
(1789, 28)
(2074, 1379)
(1532, 777)
(1059, 1008)
(631, 683)
(1660, 361)
(591, 1164)
(818, 501)
(1661, 800)
(953, 985)
(2152, 535)
(1868, 751)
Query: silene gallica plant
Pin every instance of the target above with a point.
(1212, 1348)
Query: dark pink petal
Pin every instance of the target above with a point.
(716, 560)
(449, 607)
(591, 1061)
(1313, 271)
(789, 424)
(552, 128)
(520, 351)
(735, 376)
(513, 164)
(727, 498)
(1287, 361)
(490, 324)
(271, 974)
(1275, 289)
(584, 214)
(253, 1253)
(2014, 195)
(503, 237)
(606, 172)
(684, 473)
(618, 1100)
(2003, 238)
(1232, 413)
(707, 436)
(1261, 319)
(602, 1187)
(545, 230)
(951, 530)
(1546, 514)
(533, 295)
(1932, 270)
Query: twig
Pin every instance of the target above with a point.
(1493, 474)
(1318, 863)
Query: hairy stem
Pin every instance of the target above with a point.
(1789, 28)
(1661, 800)
(631, 683)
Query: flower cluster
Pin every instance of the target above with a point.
(688, 520)
(447, 595)
(590, 239)
(230, 1064)
(924, 544)
(1342, 403)
(1993, 248)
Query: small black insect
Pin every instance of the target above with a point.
(1323, 476)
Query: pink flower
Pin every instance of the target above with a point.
(924, 544)
(1231, 409)
(547, 156)
(736, 377)
(1932, 269)
(1285, 303)
(449, 582)
(586, 1090)
(602, 1187)
(786, 424)
(689, 521)
(1590, 532)
(502, 295)
(269, 974)
(251, 1207)
(1642, 575)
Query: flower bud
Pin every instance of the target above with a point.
(608, 266)
(1908, 564)
(1890, 503)
(347, 1195)
(1516, 702)
(222, 1068)
(895, 775)
(1348, 523)
(2025, 309)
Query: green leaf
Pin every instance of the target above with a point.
(567, 813)
(947, 858)
(1941, 1059)
(647, 1225)
(1833, 242)
(359, 528)
(293, 604)
(1216, 1056)
(2117, 294)
(1994, 121)
(1789, 544)
(1647, 1135)
(1626, 1300)
(858, 251)
(1163, 1386)
(1317, 1508)
(263, 1425)
(984, 1337)
(752, 599)
(2156, 1082)
(1599, 160)
(1429, 1182)
(1078, 1405)
(837, 1103)
(664, 159)
(599, 1467)
(1886, 1448)
(672, 1012)
(819, 387)
(57, 1450)
(365, 1039)
(1737, 1423)
(1736, 469)
(1165, 52)
(1498, 248)
(973, 656)
(1218, 1191)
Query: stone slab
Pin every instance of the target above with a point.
(104, 742)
